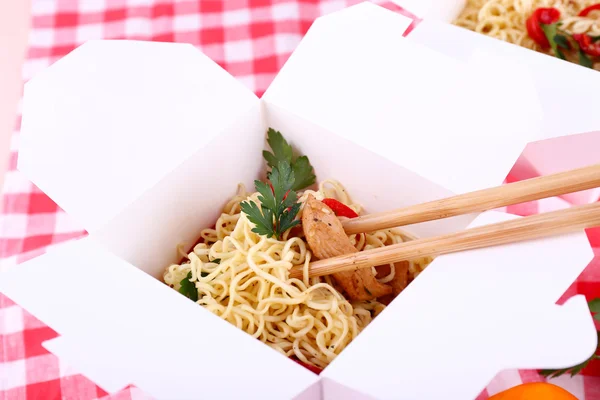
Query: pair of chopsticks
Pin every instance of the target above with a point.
(527, 228)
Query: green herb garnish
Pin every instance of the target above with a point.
(551, 32)
(584, 60)
(188, 288)
(282, 152)
(595, 308)
(278, 203)
(560, 41)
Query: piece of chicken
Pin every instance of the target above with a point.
(326, 237)
(398, 283)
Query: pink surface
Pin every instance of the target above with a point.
(251, 39)
(564, 153)
(14, 30)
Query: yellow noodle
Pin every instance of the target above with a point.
(506, 19)
(251, 288)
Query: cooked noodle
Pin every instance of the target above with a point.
(506, 19)
(250, 288)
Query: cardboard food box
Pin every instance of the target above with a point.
(566, 92)
(144, 143)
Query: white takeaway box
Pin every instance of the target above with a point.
(143, 143)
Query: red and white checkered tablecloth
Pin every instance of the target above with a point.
(251, 39)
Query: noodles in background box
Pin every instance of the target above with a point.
(244, 277)
(507, 20)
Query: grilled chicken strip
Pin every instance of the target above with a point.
(326, 237)
(398, 283)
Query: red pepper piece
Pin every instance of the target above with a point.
(587, 45)
(540, 16)
(340, 209)
(548, 15)
(587, 10)
(312, 368)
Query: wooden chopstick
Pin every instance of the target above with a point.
(527, 228)
(481, 200)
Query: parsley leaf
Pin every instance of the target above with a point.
(265, 197)
(282, 178)
(287, 220)
(551, 32)
(585, 60)
(304, 173)
(261, 217)
(278, 203)
(278, 198)
(216, 261)
(595, 308)
(188, 288)
(282, 152)
(553, 373)
(562, 41)
(594, 305)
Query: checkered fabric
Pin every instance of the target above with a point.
(251, 39)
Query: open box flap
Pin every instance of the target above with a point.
(470, 315)
(355, 75)
(566, 91)
(119, 326)
(188, 199)
(433, 9)
(106, 122)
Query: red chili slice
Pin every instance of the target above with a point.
(587, 10)
(312, 368)
(340, 209)
(548, 15)
(587, 45)
(541, 16)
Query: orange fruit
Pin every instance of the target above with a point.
(534, 391)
